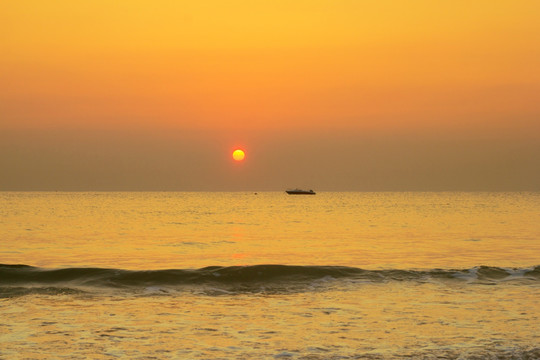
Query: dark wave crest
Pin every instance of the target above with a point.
(278, 277)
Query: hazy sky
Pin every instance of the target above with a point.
(329, 95)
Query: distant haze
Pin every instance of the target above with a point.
(329, 95)
(202, 161)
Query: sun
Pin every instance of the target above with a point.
(238, 155)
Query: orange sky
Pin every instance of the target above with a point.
(240, 68)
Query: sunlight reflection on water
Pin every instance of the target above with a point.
(474, 313)
(192, 230)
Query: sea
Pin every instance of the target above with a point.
(266, 275)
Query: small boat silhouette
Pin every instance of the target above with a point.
(300, 192)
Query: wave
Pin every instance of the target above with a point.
(23, 279)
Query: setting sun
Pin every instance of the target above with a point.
(238, 155)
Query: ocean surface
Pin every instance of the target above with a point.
(338, 275)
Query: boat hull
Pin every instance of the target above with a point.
(300, 192)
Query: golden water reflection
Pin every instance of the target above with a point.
(379, 321)
(181, 230)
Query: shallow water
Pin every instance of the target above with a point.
(354, 275)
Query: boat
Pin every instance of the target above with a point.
(300, 192)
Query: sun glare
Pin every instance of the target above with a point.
(238, 155)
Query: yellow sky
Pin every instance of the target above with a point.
(336, 64)
(380, 95)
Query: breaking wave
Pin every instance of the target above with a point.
(25, 279)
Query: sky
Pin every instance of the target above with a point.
(334, 95)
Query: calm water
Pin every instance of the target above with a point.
(239, 275)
